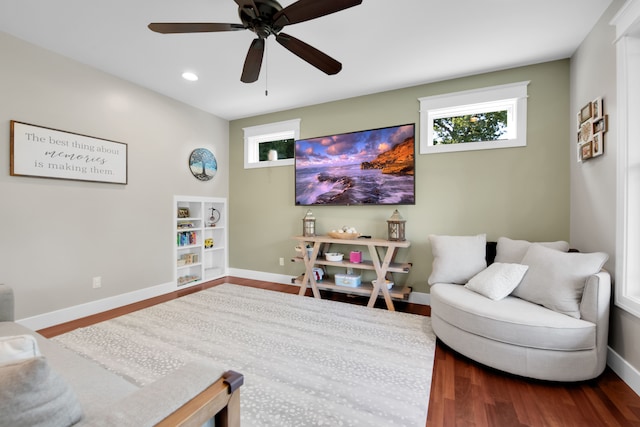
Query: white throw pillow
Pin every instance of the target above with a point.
(556, 279)
(498, 280)
(17, 348)
(456, 259)
(513, 251)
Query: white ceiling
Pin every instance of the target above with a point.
(382, 45)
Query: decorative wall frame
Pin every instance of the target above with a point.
(587, 150)
(592, 125)
(50, 153)
(203, 164)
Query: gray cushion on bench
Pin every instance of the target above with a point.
(34, 395)
(96, 388)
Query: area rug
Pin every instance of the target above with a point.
(306, 362)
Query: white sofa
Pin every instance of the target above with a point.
(519, 336)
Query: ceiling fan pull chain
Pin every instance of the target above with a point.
(266, 69)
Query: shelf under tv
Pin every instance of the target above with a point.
(383, 267)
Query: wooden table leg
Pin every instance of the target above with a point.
(309, 277)
(381, 272)
(382, 282)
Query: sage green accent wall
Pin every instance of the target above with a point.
(522, 193)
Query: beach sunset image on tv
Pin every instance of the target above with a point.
(371, 167)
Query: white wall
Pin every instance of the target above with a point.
(55, 235)
(593, 183)
(593, 199)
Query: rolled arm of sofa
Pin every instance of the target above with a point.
(596, 298)
(188, 396)
(595, 307)
(6, 304)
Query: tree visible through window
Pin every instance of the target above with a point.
(477, 119)
(491, 126)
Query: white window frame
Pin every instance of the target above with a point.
(255, 135)
(512, 97)
(627, 283)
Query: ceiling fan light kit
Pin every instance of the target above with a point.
(266, 18)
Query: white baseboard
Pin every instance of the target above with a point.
(261, 275)
(83, 310)
(421, 298)
(628, 374)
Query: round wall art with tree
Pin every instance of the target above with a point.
(203, 164)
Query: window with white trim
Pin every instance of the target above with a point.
(627, 282)
(270, 145)
(480, 119)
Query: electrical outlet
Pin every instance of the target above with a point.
(282, 261)
(97, 282)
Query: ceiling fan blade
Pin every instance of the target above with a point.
(253, 62)
(249, 7)
(313, 56)
(192, 27)
(304, 10)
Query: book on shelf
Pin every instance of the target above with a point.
(186, 238)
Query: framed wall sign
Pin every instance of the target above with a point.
(50, 153)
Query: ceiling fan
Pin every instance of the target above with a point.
(265, 18)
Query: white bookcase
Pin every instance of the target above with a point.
(201, 250)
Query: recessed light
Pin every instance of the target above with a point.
(189, 76)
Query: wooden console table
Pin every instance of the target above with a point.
(382, 267)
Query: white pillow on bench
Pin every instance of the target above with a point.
(17, 348)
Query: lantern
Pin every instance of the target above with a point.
(395, 227)
(309, 225)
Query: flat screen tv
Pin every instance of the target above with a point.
(369, 167)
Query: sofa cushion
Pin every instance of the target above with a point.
(510, 320)
(498, 280)
(456, 259)
(509, 250)
(31, 394)
(556, 279)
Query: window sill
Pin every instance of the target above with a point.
(472, 146)
(269, 164)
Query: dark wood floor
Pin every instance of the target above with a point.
(464, 393)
